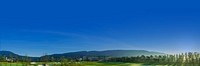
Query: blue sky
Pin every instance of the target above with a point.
(38, 27)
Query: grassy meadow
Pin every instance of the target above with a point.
(84, 64)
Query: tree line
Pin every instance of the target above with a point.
(44, 60)
(183, 59)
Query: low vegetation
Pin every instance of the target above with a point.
(184, 59)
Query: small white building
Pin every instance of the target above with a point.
(9, 60)
(43, 65)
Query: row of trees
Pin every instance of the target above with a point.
(20, 61)
(44, 60)
(184, 59)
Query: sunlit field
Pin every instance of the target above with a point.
(116, 64)
(111, 64)
(83, 64)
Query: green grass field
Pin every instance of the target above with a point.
(116, 64)
(90, 64)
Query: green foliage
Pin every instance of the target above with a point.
(184, 59)
(190, 59)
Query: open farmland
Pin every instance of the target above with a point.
(83, 64)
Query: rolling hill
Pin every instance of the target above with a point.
(110, 53)
(81, 54)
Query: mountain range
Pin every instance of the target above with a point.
(111, 53)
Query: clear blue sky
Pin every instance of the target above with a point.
(35, 27)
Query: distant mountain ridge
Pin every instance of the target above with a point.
(110, 53)
(8, 54)
(80, 54)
